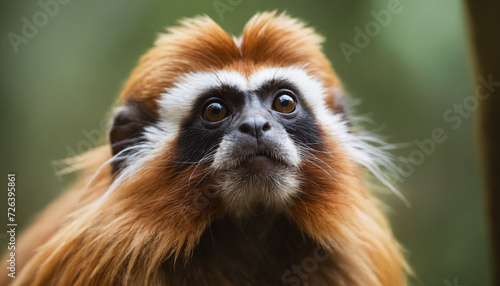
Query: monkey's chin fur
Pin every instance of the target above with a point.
(272, 186)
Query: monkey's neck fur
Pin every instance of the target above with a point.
(260, 249)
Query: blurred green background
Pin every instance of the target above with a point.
(60, 85)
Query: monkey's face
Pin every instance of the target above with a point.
(249, 130)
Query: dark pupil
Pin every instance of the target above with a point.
(285, 100)
(215, 108)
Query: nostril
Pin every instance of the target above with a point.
(244, 128)
(266, 127)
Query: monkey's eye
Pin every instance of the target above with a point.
(215, 111)
(284, 102)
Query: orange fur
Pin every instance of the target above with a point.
(125, 238)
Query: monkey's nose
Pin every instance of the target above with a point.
(255, 126)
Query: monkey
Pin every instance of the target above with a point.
(230, 161)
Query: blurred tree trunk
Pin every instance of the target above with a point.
(484, 27)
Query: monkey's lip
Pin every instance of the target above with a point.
(261, 162)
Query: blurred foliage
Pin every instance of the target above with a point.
(62, 83)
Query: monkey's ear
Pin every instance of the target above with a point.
(127, 126)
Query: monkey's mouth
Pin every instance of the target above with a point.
(262, 161)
